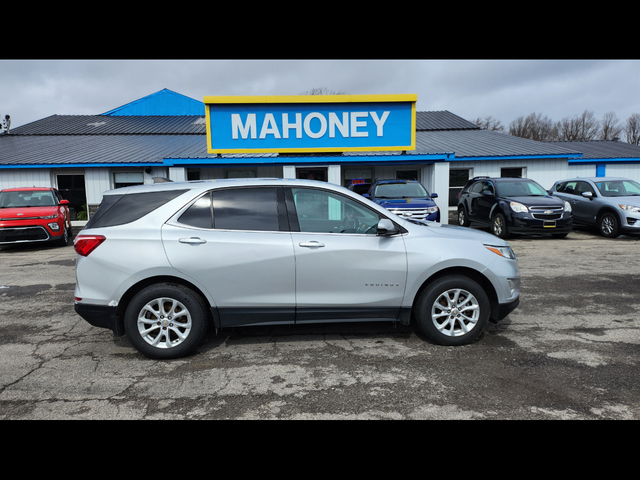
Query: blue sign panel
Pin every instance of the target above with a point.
(333, 123)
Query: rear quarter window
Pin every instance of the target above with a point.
(122, 209)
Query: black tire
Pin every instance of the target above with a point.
(63, 241)
(165, 327)
(499, 226)
(445, 324)
(609, 225)
(463, 218)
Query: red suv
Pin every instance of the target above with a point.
(33, 215)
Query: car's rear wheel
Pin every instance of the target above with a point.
(165, 321)
(453, 310)
(608, 225)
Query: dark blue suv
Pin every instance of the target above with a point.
(513, 205)
(407, 198)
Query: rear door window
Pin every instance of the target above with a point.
(246, 209)
(253, 209)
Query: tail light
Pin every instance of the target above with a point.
(85, 244)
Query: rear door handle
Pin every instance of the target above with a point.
(192, 240)
(312, 244)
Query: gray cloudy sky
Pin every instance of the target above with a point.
(505, 89)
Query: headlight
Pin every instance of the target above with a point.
(630, 208)
(505, 252)
(518, 207)
(431, 210)
(567, 207)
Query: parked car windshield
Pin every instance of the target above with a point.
(618, 188)
(27, 198)
(519, 188)
(400, 190)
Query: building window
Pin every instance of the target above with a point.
(512, 172)
(458, 178)
(241, 173)
(360, 177)
(127, 179)
(193, 174)
(407, 175)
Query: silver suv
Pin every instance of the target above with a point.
(161, 262)
(612, 204)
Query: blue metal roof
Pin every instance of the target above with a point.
(610, 151)
(165, 102)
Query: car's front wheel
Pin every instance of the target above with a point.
(463, 219)
(499, 226)
(63, 241)
(608, 225)
(453, 310)
(165, 321)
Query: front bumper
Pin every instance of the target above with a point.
(13, 233)
(416, 213)
(533, 226)
(630, 224)
(505, 309)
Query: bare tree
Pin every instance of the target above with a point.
(610, 128)
(632, 129)
(489, 123)
(534, 126)
(321, 91)
(578, 127)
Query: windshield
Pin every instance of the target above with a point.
(27, 198)
(401, 190)
(520, 188)
(618, 188)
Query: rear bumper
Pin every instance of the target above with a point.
(102, 316)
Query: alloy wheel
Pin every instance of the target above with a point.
(164, 323)
(455, 312)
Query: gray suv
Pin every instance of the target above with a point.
(161, 262)
(611, 204)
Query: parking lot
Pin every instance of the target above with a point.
(571, 350)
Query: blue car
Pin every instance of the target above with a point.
(610, 204)
(406, 198)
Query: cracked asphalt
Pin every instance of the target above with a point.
(571, 350)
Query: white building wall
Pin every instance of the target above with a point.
(579, 170)
(97, 181)
(25, 177)
(544, 171)
(177, 174)
(626, 170)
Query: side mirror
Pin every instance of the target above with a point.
(386, 228)
(487, 193)
(64, 202)
(434, 195)
(587, 195)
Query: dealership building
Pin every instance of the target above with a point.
(341, 139)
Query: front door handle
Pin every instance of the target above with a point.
(192, 240)
(312, 244)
